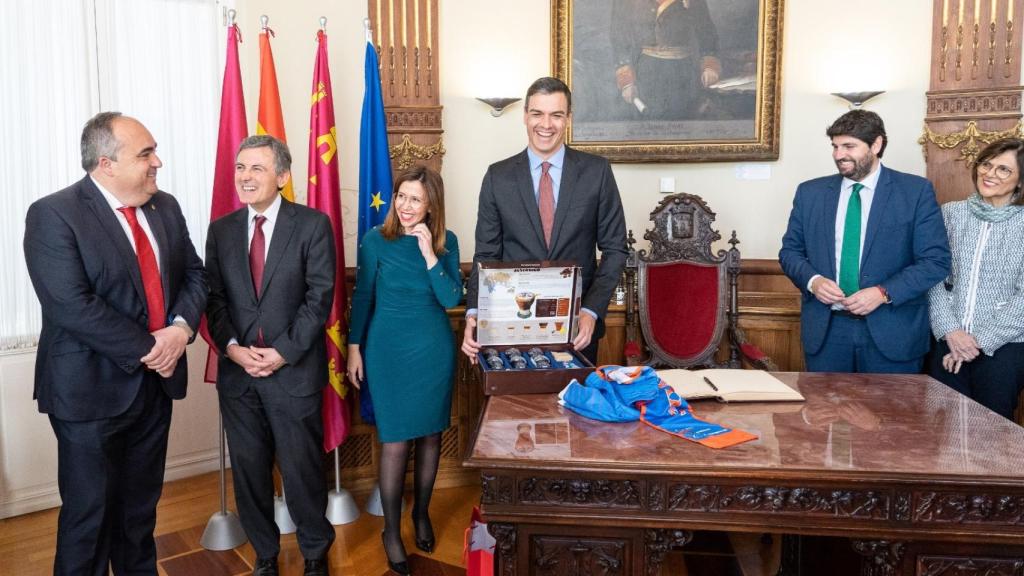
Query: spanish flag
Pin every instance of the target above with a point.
(269, 119)
(324, 194)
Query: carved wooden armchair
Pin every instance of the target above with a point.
(682, 297)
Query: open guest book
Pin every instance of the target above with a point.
(727, 385)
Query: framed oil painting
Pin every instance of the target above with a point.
(671, 80)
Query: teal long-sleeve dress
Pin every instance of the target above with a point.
(398, 315)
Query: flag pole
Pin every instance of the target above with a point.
(375, 183)
(341, 506)
(373, 504)
(224, 530)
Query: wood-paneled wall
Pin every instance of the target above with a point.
(974, 96)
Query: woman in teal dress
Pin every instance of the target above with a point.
(408, 275)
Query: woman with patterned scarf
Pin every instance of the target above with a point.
(977, 313)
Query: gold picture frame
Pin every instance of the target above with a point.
(605, 50)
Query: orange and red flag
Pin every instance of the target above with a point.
(269, 119)
(324, 194)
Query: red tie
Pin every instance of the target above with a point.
(257, 259)
(151, 283)
(547, 202)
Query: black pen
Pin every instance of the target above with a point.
(710, 383)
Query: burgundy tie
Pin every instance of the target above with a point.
(151, 283)
(547, 202)
(257, 259)
(258, 255)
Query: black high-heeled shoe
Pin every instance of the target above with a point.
(424, 544)
(402, 567)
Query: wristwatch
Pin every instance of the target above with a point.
(885, 294)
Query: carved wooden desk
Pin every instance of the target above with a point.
(920, 479)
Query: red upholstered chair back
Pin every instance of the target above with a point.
(683, 295)
(684, 315)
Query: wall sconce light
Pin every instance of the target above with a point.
(857, 99)
(498, 105)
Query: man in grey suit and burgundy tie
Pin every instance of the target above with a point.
(864, 247)
(271, 270)
(550, 202)
(122, 290)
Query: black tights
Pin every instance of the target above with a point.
(394, 460)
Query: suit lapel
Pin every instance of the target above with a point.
(566, 191)
(879, 204)
(239, 229)
(831, 209)
(110, 224)
(154, 217)
(283, 229)
(524, 182)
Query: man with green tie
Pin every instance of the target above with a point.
(864, 247)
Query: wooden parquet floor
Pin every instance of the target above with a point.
(27, 542)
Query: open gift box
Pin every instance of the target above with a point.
(527, 316)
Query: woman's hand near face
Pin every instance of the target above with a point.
(426, 243)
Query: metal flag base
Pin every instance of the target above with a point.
(224, 530)
(341, 506)
(282, 517)
(373, 505)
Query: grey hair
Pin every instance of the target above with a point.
(98, 140)
(282, 157)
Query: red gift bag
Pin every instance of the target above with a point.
(478, 547)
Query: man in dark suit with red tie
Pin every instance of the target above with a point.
(271, 270)
(550, 202)
(122, 290)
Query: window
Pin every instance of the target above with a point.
(65, 60)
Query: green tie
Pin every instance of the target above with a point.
(849, 260)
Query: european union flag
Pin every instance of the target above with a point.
(374, 161)
(374, 177)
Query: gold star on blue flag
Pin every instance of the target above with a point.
(377, 202)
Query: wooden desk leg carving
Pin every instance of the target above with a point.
(961, 565)
(658, 542)
(505, 547)
(560, 556)
(881, 557)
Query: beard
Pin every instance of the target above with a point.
(861, 167)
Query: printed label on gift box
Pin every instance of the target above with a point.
(527, 304)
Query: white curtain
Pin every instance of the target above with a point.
(63, 61)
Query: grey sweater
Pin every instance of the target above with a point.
(987, 279)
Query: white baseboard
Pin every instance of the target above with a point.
(31, 499)
(44, 496)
